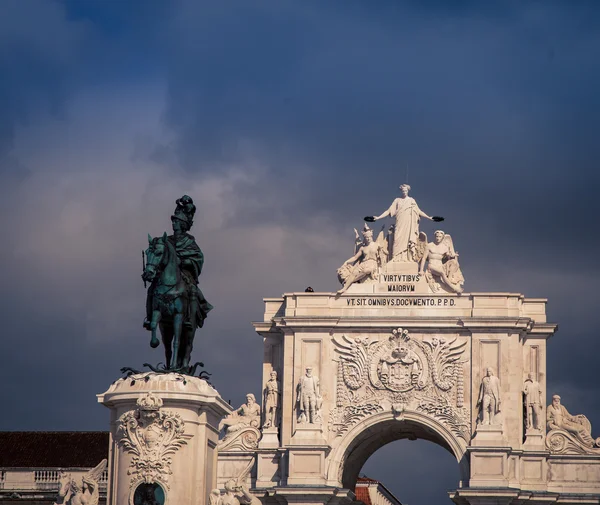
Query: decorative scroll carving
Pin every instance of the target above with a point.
(569, 434)
(444, 359)
(354, 360)
(562, 442)
(354, 413)
(401, 373)
(453, 417)
(152, 436)
(245, 439)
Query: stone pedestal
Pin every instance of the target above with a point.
(270, 438)
(163, 438)
(489, 436)
(534, 440)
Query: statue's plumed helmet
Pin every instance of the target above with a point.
(185, 210)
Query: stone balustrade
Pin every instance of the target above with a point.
(40, 479)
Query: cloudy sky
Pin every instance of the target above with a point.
(287, 122)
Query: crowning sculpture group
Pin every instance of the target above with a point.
(404, 243)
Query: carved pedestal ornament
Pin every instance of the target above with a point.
(401, 373)
(152, 435)
(568, 434)
(242, 427)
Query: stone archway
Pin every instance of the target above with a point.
(383, 366)
(365, 439)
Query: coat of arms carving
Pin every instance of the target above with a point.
(152, 435)
(402, 372)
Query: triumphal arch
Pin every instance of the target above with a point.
(403, 351)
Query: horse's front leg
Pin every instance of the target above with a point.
(154, 342)
(187, 344)
(177, 326)
(166, 330)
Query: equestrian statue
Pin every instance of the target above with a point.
(174, 302)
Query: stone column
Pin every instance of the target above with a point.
(163, 438)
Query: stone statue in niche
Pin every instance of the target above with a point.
(558, 418)
(365, 263)
(309, 398)
(407, 214)
(532, 392)
(489, 401)
(248, 415)
(271, 401)
(443, 269)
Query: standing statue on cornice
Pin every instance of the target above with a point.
(407, 214)
(174, 302)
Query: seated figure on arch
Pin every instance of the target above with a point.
(558, 418)
(442, 262)
(247, 416)
(365, 263)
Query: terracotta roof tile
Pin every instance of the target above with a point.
(53, 449)
(362, 494)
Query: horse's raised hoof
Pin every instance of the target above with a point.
(154, 343)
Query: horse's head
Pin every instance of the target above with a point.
(64, 482)
(156, 257)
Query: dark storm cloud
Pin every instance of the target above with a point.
(287, 122)
(37, 56)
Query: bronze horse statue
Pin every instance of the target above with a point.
(170, 302)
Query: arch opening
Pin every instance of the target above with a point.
(364, 440)
(416, 472)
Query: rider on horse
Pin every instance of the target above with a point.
(191, 261)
